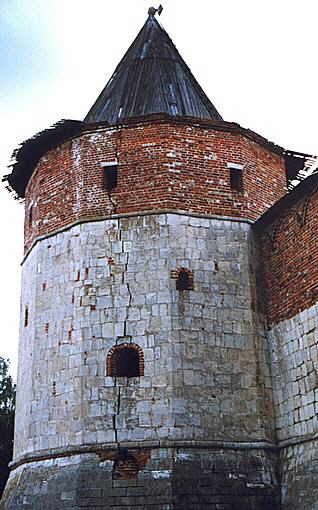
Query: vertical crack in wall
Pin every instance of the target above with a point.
(125, 256)
(111, 262)
(113, 203)
(118, 401)
(115, 428)
(130, 296)
(117, 411)
(126, 263)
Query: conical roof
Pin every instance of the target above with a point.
(151, 78)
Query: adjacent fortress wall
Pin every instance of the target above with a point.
(290, 280)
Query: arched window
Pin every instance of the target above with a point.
(125, 360)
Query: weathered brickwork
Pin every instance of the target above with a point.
(290, 264)
(288, 240)
(169, 312)
(227, 352)
(161, 165)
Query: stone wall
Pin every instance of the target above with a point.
(293, 344)
(173, 479)
(288, 240)
(108, 282)
(299, 474)
(206, 383)
(162, 165)
(295, 374)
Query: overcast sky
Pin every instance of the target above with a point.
(257, 61)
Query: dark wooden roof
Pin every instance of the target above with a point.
(151, 78)
(27, 155)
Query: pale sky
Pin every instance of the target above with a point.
(257, 62)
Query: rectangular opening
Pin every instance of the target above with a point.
(26, 316)
(110, 175)
(236, 179)
(30, 216)
(236, 176)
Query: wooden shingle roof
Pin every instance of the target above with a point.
(151, 78)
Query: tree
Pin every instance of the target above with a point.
(7, 408)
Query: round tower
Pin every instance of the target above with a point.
(143, 370)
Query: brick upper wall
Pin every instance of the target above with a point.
(289, 256)
(161, 165)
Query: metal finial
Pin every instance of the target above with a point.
(152, 10)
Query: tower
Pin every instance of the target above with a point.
(144, 370)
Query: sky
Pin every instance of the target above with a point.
(257, 62)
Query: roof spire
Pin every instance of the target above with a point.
(151, 78)
(152, 10)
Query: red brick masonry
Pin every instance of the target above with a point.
(289, 237)
(161, 165)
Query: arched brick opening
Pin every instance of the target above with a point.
(127, 463)
(183, 277)
(125, 360)
(125, 467)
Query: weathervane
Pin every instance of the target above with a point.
(152, 10)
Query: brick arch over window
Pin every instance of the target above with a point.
(125, 360)
(183, 277)
(125, 467)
